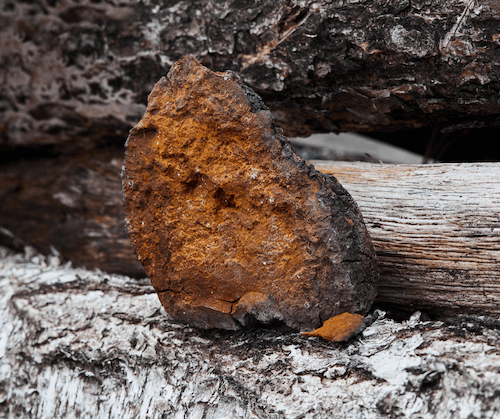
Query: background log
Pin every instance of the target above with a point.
(70, 207)
(76, 73)
(75, 343)
(436, 231)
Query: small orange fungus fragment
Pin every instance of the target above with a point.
(339, 328)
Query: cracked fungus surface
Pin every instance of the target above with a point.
(230, 225)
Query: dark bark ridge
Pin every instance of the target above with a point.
(76, 74)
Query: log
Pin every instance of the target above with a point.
(435, 229)
(77, 343)
(76, 74)
(70, 207)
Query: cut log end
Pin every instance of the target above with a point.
(229, 223)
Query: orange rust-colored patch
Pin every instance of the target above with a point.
(231, 226)
(339, 328)
(349, 221)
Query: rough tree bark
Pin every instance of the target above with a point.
(76, 343)
(76, 74)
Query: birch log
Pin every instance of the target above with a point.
(82, 344)
(436, 231)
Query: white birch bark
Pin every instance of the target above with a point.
(84, 344)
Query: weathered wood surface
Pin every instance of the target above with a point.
(77, 343)
(436, 231)
(76, 73)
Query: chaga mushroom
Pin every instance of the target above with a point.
(232, 227)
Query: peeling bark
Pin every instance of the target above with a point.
(76, 343)
(76, 74)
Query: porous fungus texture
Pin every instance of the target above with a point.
(232, 227)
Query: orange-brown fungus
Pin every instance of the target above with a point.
(339, 328)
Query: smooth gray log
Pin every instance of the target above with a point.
(436, 231)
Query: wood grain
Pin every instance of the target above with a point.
(70, 206)
(436, 231)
